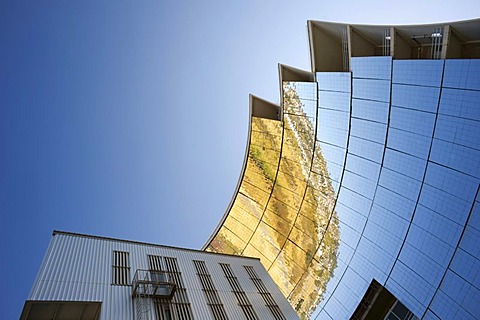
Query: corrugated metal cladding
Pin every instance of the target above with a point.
(79, 268)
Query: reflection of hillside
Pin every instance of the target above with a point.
(319, 266)
(283, 212)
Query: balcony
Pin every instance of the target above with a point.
(153, 284)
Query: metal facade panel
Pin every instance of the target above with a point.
(79, 268)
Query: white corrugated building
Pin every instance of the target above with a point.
(92, 277)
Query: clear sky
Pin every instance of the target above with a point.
(128, 119)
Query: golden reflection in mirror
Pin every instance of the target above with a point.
(283, 212)
(255, 188)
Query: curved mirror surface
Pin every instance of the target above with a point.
(371, 175)
(283, 211)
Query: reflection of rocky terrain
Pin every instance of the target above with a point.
(284, 210)
(319, 266)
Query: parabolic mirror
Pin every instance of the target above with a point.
(282, 211)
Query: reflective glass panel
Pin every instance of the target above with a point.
(418, 72)
(371, 67)
(462, 74)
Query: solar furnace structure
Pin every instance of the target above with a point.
(363, 182)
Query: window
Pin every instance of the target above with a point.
(267, 297)
(157, 273)
(181, 308)
(379, 303)
(242, 299)
(400, 312)
(211, 294)
(163, 307)
(120, 268)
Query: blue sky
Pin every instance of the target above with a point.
(129, 119)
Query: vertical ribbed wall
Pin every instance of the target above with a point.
(79, 268)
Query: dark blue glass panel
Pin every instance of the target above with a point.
(467, 267)
(368, 130)
(458, 157)
(328, 118)
(336, 309)
(370, 110)
(430, 245)
(334, 81)
(424, 266)
(363, 167)
(470, 242)
(394, 202)
(464, 74)
(405, 164)
(443, 228)
(322, 314)
(384, 240)
(354, 201)
(350, 217)
(390, 222)
(458, 130)
(371, 67)
(370, 89)
(451, 181)
(334, 100)
(366, 149)
(460, 103)
(399, 183)
(371, 251)
(415, 121)
(351, 288)
(356, 281)
(474, 221)
(415, 97)
(447, 308)
(418, 72)
(446, 197)
(430, 316)
(445, 204)
(411, 289)
(407, 142)
(335, 136)
(367, 269)
(359, 184)
(464, 293)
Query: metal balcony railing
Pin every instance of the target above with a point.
(155, 284)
